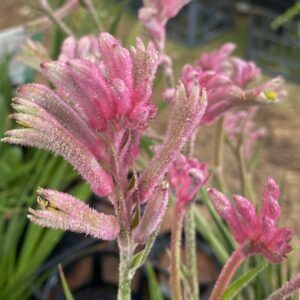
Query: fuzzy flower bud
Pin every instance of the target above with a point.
(256, 233)
(62, 211)
(153, 214)
(187, 176)
(185, 116)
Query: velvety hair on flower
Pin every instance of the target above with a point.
(257, 233)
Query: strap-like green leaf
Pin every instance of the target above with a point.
(66, 289)
(154, 288)
(243, 281)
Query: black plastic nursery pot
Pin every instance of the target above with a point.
(91, 269)
(91, 266)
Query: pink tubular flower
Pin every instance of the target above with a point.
(155, 14)
(226, 80)
(95, 119)
(62, 211)
(186, 176)
(86, 47)
(186, 114)
(216, 60)
(154, 213)
(256, 233)
(97, 114)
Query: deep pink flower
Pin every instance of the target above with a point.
(187, 176)
(155, 14)
(97, 112)
(257, 233)
(95, 119)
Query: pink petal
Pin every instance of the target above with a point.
(62, 211)
(153, 215)
(271, 206)
(186, 114)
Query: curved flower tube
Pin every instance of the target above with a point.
(256, 233)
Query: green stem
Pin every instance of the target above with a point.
(47, 10)
(191, 250)
(92, 10)
(246, 187)
(218, 153)
(176, 251)
(125, 274)
(234, 261)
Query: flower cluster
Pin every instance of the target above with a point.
(186, 176)
(226, 79)
(257, 233)
(155, 14)
(95, 119)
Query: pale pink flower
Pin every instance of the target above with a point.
(242, 72)
(257, 233)
(216, 60)
(241, 124)
(33, 54)
(86, 47)
(62, 211)
(222, 93)
(153, 214)
(155, 14)
(186, 114)
(226, 80)
(187, 176)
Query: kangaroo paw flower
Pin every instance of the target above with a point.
(257, 233)
(187, 176)
(62, 211)
(185, 116)
(153, 214)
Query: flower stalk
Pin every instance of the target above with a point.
(47, 10)
(218, 153)
(92, 10)
(191, 250)
(232, 264)
(286, 290)
(176, 233)
(125, 275)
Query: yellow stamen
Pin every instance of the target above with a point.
(271, 95)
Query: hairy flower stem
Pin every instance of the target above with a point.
(218, 153)
(190, 246)
(176, 251)
(125, 274)
(286, 290)
(234, 261)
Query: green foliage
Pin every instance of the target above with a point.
(66, 289)
(23, 245)
(243, 281)
(154, 288)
